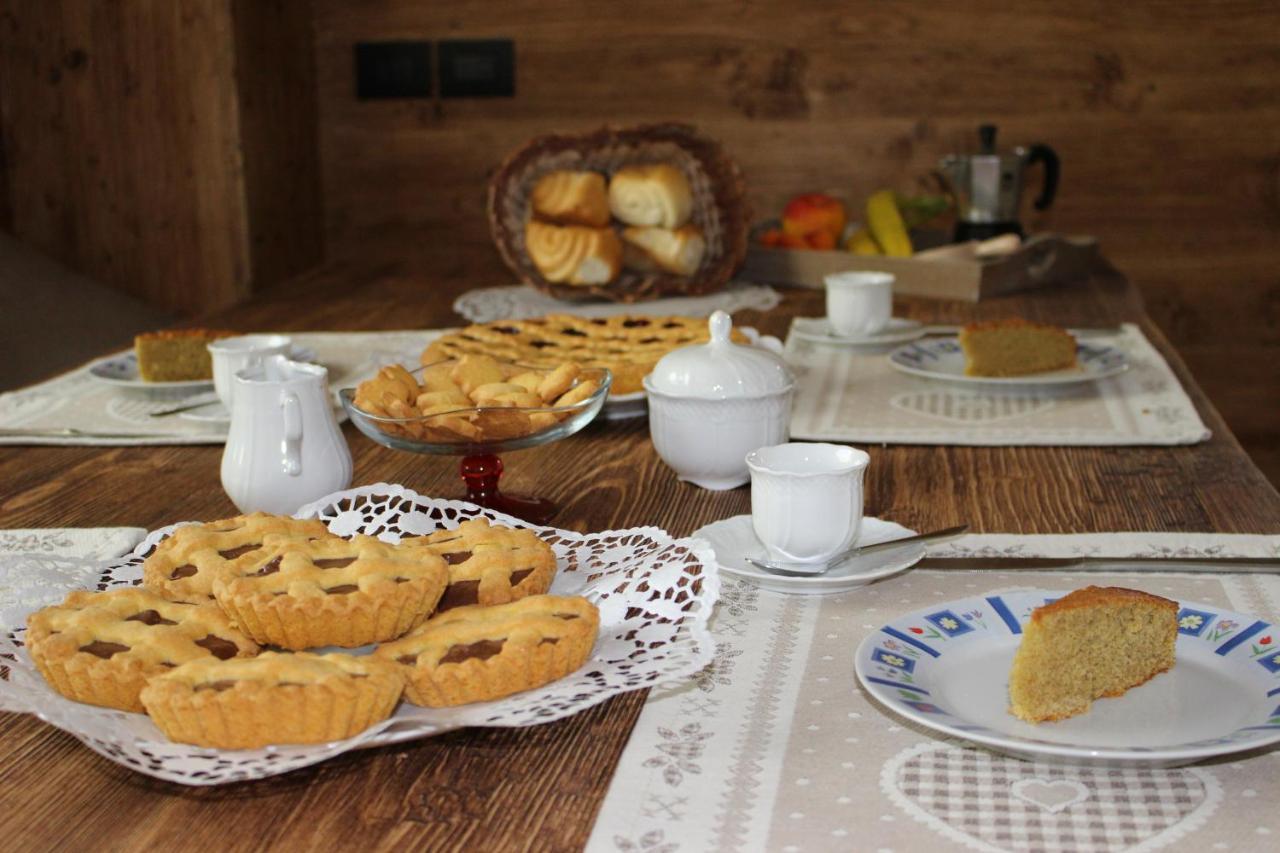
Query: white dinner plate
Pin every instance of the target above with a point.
(121, 369)
(899, 330)
(734, 540)
(947, 667)
(942, 358)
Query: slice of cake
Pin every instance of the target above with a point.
(1095, 642)
(1015, 347)
(176, 355)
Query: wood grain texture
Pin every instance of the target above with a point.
(540, 788)
(131, 130)
(1165, 114)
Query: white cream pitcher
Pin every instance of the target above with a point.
(284, 448)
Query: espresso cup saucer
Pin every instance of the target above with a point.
(899, 330)
(733, 540)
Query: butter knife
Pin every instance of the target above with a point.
(72, 432)
(1225, 565)
(1098, 332)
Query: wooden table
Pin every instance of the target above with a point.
(540, 788)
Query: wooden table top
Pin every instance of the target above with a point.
(540, 788)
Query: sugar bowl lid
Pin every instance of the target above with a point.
(719, 369)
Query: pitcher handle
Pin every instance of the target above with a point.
(1040, 153)
(292, 444)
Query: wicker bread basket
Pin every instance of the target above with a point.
(719, 204)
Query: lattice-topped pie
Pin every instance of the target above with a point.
(185, 564)
(629, 346)
(331, 592)
(474, 654)
(101, 647)
(273, 698)
(489, 565)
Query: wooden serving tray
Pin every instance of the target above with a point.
(947, 272)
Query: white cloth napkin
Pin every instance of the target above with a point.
(520, 302)
(850, 395)
(88, 543)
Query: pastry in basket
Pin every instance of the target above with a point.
(176, 355)
(627, 345)
(474, 398)
(489, 564)
(1015, 347)
(651, 194)
(1095, 642)
(571, 198)
(185, 564)
(273, 698)
(677, 251)
(659, 176)
(475, 654)
(574, 254)
(101, 647)
(331, 592)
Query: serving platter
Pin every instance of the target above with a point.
(942, 358)
(946, 667)
(654, 592)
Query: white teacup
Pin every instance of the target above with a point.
(234, 354)
(859, 304)
(806, 499)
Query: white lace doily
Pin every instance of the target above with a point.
(520, 302)
(655, 595)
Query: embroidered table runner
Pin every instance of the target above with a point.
(520, 302)
(776, 747)
(78, 401)
(851, 395)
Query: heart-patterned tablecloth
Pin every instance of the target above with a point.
(855, 395)
(776, 747)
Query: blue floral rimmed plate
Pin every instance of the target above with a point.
(947, 667)
(942, 358)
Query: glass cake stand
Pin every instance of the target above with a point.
(494, 431)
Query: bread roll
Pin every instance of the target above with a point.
(679, 251)
(652, 195)
(574, 254)
(574, 198)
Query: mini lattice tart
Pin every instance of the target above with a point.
(331, 592)
(273, 698)
(489, 565)
(101, 647)
(185, 564)
(474, 654)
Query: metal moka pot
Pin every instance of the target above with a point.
(988, 185)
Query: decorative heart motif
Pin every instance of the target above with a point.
(967, 407)
(990, 802)
(1052, 795)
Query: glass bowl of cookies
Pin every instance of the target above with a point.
(477, 407)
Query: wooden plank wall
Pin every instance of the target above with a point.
(1166, 114)
(129, 129)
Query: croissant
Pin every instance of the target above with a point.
(572, 197)
(653, 195)
(573, 254)
(679, 251)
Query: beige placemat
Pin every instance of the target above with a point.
(775, 746)
(76, 400)
(851, 395)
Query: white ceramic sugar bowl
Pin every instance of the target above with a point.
(711, 404)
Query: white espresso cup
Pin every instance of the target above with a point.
(806, 499)
(234, 354)
(859, 304)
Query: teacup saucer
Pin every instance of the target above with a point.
(734, 540)
(899, 330)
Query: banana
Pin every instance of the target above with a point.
(886, 225)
